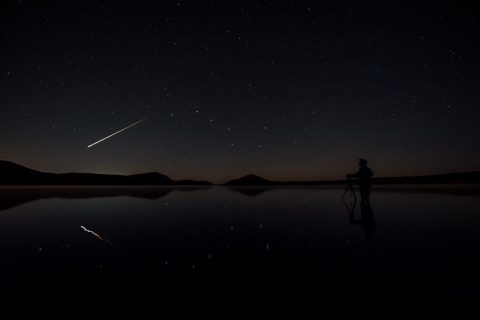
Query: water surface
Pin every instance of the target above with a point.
(420, 239)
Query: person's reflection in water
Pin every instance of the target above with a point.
(367, 221)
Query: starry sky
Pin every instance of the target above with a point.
(284, 89)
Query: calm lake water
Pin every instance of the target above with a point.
(420, 240)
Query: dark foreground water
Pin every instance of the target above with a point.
(419, 243)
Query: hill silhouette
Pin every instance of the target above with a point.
(250, 179)
(15, 174)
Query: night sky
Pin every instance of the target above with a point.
(287, 90)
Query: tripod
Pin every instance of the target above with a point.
(349, 203)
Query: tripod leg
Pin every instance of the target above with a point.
(353, 193)
(350, 205)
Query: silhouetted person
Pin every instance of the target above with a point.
(364, 176)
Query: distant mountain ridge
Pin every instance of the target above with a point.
(15, 174)
(250, 179)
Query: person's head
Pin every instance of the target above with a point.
(362, 162)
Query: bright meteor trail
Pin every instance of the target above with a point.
(91, 145)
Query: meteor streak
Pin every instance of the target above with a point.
(96, 235)
(91, 145)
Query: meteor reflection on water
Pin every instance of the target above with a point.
(96, 235)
